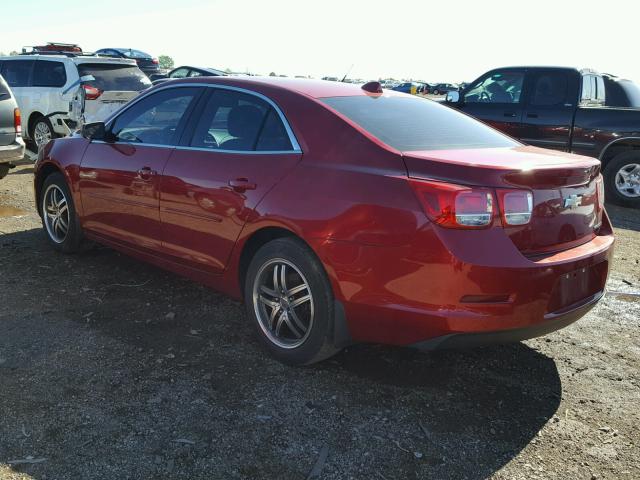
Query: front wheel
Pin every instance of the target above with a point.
(289, 298)
(622, 179)
(59, 218)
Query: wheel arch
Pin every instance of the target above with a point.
(43, 172)
(35, 115)
(620, 145)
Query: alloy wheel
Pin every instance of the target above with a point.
(627, 180)
(283, 303)
(41, 134)
(55, 209)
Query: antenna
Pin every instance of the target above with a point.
(345, 75)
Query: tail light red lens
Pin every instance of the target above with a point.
(455, 206)
(17, 121)
(91, 93)
(155, 60)
(516, 206)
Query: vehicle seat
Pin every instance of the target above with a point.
(498, 94)
(243, 123)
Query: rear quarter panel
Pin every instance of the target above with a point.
(596, 127)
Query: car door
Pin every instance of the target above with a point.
(497, 99)
(119, 179)
(235, 151)
(548, 114)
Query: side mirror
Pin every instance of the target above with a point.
(94, 131)
(452, 97)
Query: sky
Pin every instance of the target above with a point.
(405, 39)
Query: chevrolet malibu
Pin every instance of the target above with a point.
(338, 213)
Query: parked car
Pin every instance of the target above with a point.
(53, 98)
(338, 213)
(186, 71)
(443, 88)
(564, 109)
(147, 63)
(11, 144)
(407, 87)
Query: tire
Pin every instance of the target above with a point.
(302, 335)
(4, 170)
(41, 132)
(629, 163)
(436, 92)
(55, 191)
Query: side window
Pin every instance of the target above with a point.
(17, 72)
(274, 136)
(502, 87)
(231, 121)
(550, 89)
(49, 74)
(155, 119)
(589, 90)
(180, 73)
(195, 73)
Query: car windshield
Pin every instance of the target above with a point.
(115, 77)
(414, 124)
(134, 53)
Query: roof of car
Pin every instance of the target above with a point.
(72, 58)
(308, 87)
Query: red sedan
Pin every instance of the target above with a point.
(339, 213)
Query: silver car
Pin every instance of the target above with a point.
(11, 143)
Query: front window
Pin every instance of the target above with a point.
(414, 124)
(154, 119)
(180, 73)
(503, 87)
(115, 77)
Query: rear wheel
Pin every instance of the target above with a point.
(622, 179)
(59, 218)
(42, 132)
(289, 298)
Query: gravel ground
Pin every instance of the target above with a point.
(113, 369)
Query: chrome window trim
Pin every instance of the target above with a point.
(292, 138)
(200, 149)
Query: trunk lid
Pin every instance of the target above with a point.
(566, 211)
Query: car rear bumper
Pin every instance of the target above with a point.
(12, 152)
(448, 290)
(551, 323)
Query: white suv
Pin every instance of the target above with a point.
(53, 99)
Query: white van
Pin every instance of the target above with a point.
(55, 102)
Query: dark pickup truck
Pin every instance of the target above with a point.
(565, 109)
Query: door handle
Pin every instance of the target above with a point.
(146, 173)
(532, 115)
(242, 184)
(510, 114)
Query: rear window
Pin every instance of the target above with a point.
(114, 77)
(17, 72)
(413, 124)
(622, 93)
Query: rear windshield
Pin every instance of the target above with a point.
(135, 54)
(114, 77)
(621, 93)
(413, 124)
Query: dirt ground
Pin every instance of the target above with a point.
(113, 369)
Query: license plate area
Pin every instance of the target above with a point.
(570, 288)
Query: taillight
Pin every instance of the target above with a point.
(455, 206)
(91, 93)
(17, 121)
(516, 206)
(154, 60)
(600, 192)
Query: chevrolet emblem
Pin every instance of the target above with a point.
(573, 201)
